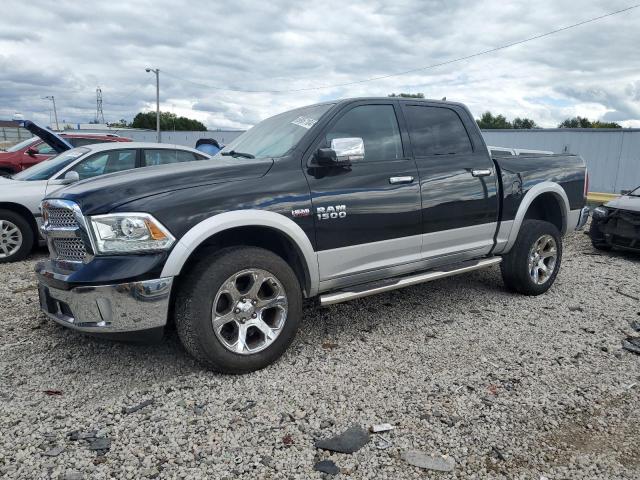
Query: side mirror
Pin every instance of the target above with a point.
(32, 152)
(348, 150)
(343, 152)
(70, 177)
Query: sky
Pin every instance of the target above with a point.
(205, 49)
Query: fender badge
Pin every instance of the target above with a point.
(300, 212)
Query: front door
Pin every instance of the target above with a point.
(457, 179)
(367, 215)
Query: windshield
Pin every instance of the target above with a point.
(275, 136)
(23, 144)
(48, 168)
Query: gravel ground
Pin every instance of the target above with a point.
(505, 385)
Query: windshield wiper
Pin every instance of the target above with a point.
(235, 154)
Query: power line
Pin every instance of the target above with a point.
(418, 69)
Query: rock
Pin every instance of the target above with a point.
(54, 452)
(575, 308)
(382, 427)
(151, 472)
(72, 475)
(100, 444)
(146, 403)
(632, 345)
(78, 435)
(267, 461)
(326, 424)
(351, 440)
(439, 463)
(326, 466)
(199, 409)
(635, 325)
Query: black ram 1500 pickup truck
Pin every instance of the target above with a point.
(332, 202)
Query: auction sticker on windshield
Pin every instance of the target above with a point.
(304, 122)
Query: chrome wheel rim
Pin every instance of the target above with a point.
(249, 311)
(10, 238)
(543, 258)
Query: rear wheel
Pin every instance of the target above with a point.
(238, 309)
(16, 237)
(533, 263)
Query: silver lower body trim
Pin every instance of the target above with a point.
(395, 283)
(583, 216)
(125, 307)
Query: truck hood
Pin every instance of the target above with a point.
(104, 193)
(625, 202)
(55, 141)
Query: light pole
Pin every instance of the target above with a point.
(157, 72)
(55, 113)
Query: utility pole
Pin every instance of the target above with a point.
(99, 112)
(157, 72)
(55, 113)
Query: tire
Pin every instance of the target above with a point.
(16, 237)
(517, 271)
(597, 239)
(208, 293)
(6, 173)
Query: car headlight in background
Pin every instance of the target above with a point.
(600, 212)
(129, 233)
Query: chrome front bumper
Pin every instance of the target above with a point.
(126, 307)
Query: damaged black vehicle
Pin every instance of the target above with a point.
(617, 223)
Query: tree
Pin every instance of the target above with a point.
(168, 121)
(583, 122)
(524, 123)
(408, 95)
(488, 121)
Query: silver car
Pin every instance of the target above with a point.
(20, 195)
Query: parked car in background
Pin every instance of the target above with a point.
(20, 195)
(36, 149)
(617, 223)
(332, 202)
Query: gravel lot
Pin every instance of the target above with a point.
(507, 386)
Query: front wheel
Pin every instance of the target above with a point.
(16, 237)
(533, 263)
(238, 309)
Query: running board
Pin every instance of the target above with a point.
(373, 288)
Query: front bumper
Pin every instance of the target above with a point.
(125, 307)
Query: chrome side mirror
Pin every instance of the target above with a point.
(350, 149)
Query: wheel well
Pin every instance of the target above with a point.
(24, 211)
(549, 208)
(7, 170)
(256, 236)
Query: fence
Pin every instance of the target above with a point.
(12, 135)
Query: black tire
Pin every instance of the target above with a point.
(6, 173)
(26, 233)
(597, 239)
(515, 265)
(194, 304)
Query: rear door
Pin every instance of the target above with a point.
(367, 215)
(458, 180)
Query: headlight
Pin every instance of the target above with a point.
(129, 233)
(600, 212)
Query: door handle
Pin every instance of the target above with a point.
(481, 172)
(398, 180)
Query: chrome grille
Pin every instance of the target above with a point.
(61, 217)
(70, 249)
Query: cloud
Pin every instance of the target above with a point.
(69, 50)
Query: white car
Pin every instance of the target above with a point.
(20, 195)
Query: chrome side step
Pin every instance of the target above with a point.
(373, 288)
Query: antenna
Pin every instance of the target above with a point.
(99, 112)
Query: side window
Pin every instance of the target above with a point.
(164, 156)
(44, 149)
(436, 131)
(106, 162)
(377, 125)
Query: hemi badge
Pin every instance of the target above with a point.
(300, 212)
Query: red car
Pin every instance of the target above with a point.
(34, 150)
